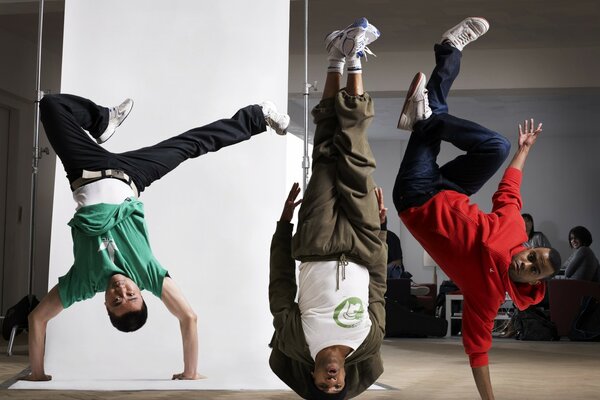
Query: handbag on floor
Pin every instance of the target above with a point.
(17, 316)
(586, 326)
(533, 324)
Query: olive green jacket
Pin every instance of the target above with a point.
(290, 357)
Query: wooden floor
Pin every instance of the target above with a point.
(415, 369)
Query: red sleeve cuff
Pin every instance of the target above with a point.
(478, 360)
(514, 175)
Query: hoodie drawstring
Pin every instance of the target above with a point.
(341, 262)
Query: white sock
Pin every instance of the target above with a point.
(336, 61)
(353, 65)
(336, 66)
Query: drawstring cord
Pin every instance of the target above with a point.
(341, 262)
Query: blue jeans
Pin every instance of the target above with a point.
(420, 177)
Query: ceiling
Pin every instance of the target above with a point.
(407, 26)
(522, 24)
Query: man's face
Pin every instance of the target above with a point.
(530, 266)
(329, 374)
(122, 295)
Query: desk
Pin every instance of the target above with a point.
(503, 311)
(449, 317)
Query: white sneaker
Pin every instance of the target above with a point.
(116, 117)
(466, 32)
(353, 40)
(416, 106)
(277, 121)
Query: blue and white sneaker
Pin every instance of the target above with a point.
(353, 40)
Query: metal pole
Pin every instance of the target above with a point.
(306, 159)
(37, 154)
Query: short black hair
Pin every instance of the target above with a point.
(318, 394)
(581, 233)
(131, 321)
(555, 261)
(527, 216)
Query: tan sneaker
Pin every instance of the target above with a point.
(416, 106)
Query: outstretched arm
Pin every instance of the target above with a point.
(508, 193)
(527, 138)
(282, 274)
(483, 382)
(49, 307)
(176, 303)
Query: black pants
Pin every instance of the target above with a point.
(66, 116)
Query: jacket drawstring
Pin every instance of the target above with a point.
(341, 262)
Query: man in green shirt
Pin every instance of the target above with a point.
(110, 241)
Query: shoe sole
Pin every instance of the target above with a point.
(485, 22)
(414, 85)
(100, 141)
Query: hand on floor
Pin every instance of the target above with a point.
(183, 377)
(35, 378)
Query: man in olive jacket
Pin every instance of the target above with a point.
(327, 345)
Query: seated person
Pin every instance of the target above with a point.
(582, 264)
(535, 238)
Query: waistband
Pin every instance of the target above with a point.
(406, 202)
(93, 176)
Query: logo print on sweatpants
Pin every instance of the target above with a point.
(349, 312)
(109, 245)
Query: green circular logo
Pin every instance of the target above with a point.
(349, 312)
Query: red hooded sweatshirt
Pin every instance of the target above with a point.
(475, 249)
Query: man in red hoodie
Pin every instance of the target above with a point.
(482, 253)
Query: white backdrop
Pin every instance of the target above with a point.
(185, 63)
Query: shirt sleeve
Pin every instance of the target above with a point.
(509, 191)
(282, 274)
(377, 283)
(579, 265)
(477, 332)
(71, 289)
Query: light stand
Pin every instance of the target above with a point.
(307, 86)
(18, 319)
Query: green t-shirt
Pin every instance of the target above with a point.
(109, 239)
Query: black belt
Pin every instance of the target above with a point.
(93, 176)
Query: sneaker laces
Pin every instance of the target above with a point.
(466, 36)
(364, 52)
(425, 101)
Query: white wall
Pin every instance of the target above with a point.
(485, 69)
(185, 63)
